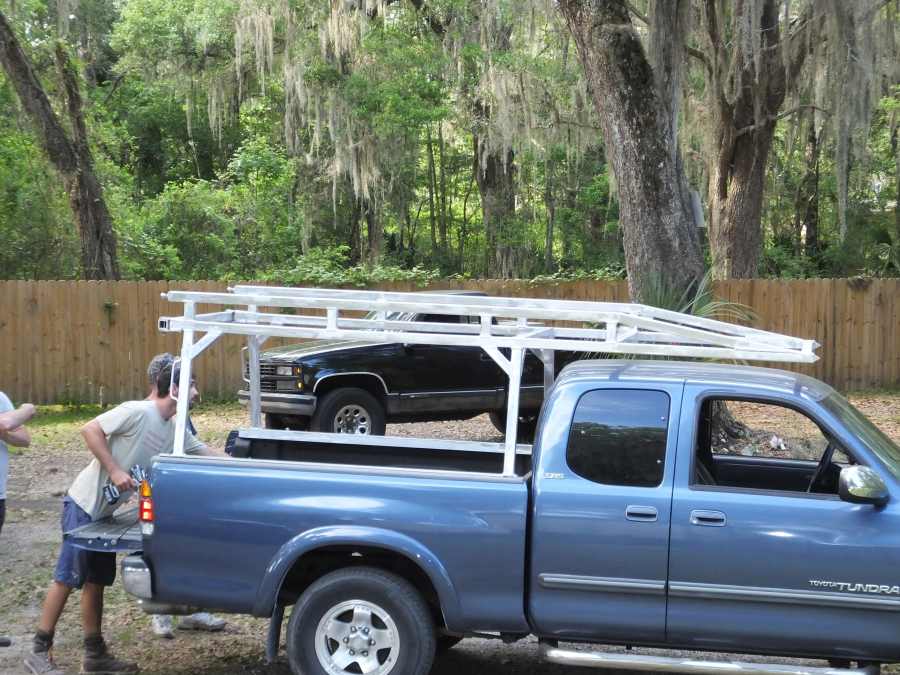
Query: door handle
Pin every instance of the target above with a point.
(641, 514)
(708, 518)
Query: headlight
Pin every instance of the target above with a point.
(285, 371)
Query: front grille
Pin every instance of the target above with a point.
(266, 375)
(265, 370)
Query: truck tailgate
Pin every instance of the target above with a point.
(120, 533)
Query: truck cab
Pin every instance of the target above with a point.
(712, 509)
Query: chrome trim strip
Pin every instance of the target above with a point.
(681, 589)
(275, 397)
(289, 404)
(575, 582)
(450, 392)
(666, 664)
(380, 441)
(345, 469)
(381, 379)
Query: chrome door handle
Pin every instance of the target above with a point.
(708, 518)
(641, 514)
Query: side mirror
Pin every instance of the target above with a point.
(861, 485)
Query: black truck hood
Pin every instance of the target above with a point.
(290, 353)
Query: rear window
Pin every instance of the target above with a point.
(618, 437)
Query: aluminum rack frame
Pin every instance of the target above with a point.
(503, 323)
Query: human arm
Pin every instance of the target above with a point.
(95, 439)
(12, 430)
(194, 446)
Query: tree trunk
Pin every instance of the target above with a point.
(356, 212)
(657, 221)
(895, 146)
(71, 157)
(744, 95)
(443, 192)
(550, 201)
(432, 187)
(374, 231)
(806, 211)
(495, 175)
(736, 188)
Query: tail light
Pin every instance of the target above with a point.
(145, 512)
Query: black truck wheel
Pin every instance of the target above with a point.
(349, 411)
(292, 422)
(526, 429)
(361, 620)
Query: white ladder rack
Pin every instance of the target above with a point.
(492, 323)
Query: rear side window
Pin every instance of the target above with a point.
(618, 437)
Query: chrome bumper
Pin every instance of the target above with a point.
(302, 405)
(136, 577)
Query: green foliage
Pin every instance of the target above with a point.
(39, 238)
(202, 182)
(331, 267)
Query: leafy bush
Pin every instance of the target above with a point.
(331, 267)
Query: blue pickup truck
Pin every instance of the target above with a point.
(697, 506)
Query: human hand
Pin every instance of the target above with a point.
(122, 480)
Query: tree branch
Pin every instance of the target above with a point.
(775, 118)
(115, 85)
(640, 17)
(437, 26)
(700, 56)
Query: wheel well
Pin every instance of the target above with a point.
(369, 383)
(312, 566)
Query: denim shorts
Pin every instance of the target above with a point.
(76, 566)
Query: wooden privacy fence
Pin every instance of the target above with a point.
(90, 341)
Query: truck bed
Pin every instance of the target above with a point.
(224, 525)
(376, 451)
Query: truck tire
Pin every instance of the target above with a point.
(349, 410)
(292, 422)
(527, 425)
(338, 618)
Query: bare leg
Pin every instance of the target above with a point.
(53, 607)
(91, 608)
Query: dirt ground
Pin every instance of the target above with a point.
(40, 475)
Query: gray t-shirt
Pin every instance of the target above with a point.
(5, 406)
(136, 433)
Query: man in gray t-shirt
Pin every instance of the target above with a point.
(129, 435)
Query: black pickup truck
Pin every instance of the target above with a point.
(358, 387)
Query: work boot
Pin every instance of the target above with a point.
(99, 661)
(162, 626)
(201, 621)
(41, 663)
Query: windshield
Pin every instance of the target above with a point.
(867, 433)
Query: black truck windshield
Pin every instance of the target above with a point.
(868, 434)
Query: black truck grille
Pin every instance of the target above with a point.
(266, 375)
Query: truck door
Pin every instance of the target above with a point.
(765, 556)
(600, 515)
(447, 378)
